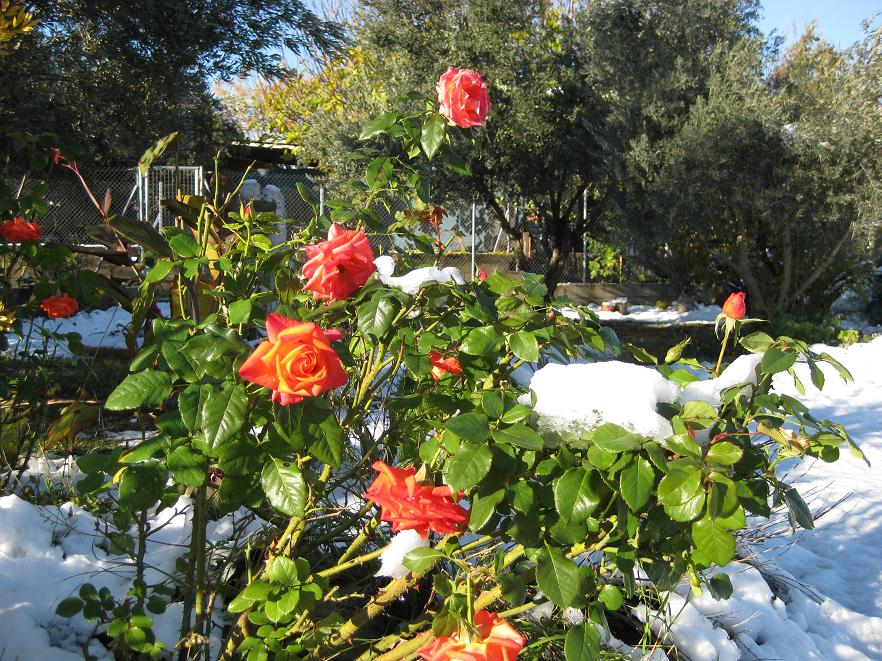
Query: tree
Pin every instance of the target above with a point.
(770, 177)
(117, 75)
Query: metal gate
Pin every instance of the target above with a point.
(162, 182)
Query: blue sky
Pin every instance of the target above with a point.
(838, 21)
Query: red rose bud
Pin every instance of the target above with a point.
(463, 97)
(442, 365)
(734, 307)
(18, 230)
(482, 276)
(59, 307)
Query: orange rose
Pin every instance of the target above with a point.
(463, 96)
(19, 230)
(338, 267)
(410, 505)
(498, 641)
(442, 365)
(734, 307)
(58, 307)
(296, 361)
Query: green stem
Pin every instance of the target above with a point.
(722, 350)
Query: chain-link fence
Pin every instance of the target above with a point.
(472, 233)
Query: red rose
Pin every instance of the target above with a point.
(409, 505)
(338, 267)
(58, 307)
(734, 307)
(482, 275)
(463, 96)
(19, 230)
(296, 361)
(498, 641)
(442, 365)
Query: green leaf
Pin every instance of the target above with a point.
(468, 466)
(582, 643)
(148, 388)
(636, 483)
(161, 269)
(240, 311)
(422, 559)
(714, 542)
(557, 576)
(720, 586)
(472, 426)
(69, 607)
(830, 360)
(283, 570)
(456, 163)
(756, 342)
(223, 414)
(184, 245)
(775, 360)
(141, 485)
(324, 435)
(611, 597)
(515, 414)
(284, 487)
(136, 638)
(799, 511)
(155, 151)
(699, 415)
(143, 234)
(521, 436)
(491, 402)
(433, 134)
(613, 438)
(190, 403)
(187, 466)
(482, 341)
(524, 346)
(724, 453)
(482, 508)
(379, 124)
(574, 496)
(375, 316)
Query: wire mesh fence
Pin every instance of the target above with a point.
(472, 234)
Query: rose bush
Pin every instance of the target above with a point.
(428, 386)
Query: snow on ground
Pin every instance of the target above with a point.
(827, 601)
(649, 314)
(97, 328)
(46, 553)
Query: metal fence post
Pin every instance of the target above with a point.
(473, 240)
(584, 235)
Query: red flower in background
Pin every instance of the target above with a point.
(59, 307)
(734, 307)
(296, 361)
(410, 505)
(482, 275)
(498, 641)
(18, 230)
(442, 365)
(340, 266)
(463, 97)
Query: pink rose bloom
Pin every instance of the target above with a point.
(338, 267)
(463, 96)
